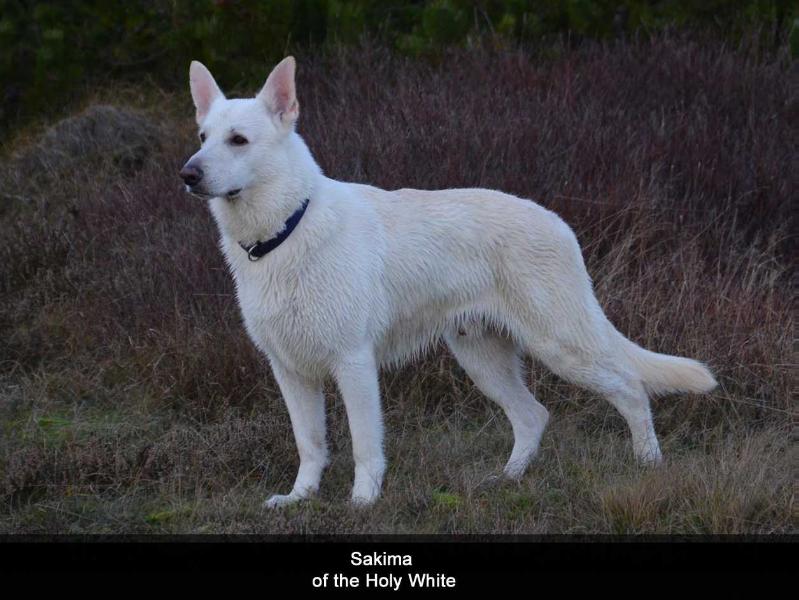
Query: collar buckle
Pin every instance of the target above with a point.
(252, 257)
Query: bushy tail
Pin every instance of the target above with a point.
(664, 374)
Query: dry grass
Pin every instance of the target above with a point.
(131, 400)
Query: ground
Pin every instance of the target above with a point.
(131, 399)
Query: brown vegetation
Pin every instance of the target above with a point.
(131, 399)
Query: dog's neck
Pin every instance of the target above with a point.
(259, 212)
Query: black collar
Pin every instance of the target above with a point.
(261, 249)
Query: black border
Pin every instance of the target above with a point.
(474, 561)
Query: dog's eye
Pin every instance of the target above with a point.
(202, 137)
(238, 140)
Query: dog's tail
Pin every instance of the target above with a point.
(665, 374)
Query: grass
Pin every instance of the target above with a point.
(132, 401)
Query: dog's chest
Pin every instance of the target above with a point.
(301, 317)
(277, 321)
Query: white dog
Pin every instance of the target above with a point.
(339, 279)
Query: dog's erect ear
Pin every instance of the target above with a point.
(279, 93)
(204, 90)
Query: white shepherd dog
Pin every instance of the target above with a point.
(337, 279)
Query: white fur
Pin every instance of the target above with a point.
(372, 277)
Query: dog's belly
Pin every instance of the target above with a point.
(413, 334)
(408, 339)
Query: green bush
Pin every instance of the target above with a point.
(51, 51)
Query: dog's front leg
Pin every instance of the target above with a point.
(357, 381)
(306, 404)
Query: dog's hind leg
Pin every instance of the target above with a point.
(631, 400)
(494, 363)
(306, 405)
(611, 375)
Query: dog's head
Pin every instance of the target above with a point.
(242, 140)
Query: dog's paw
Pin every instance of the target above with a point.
(364, 496)
(651, 460)
(280, 500)
(490, 482)
(363, 501)
(366, 488)
(513, 474)
(649, 455)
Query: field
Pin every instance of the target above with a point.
(131, 399)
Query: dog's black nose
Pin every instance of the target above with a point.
(191, 175)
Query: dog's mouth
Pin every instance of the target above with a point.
(205, 195)
(197, 193)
